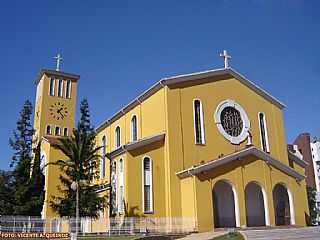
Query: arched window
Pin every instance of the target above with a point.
(147, 191)
(103, 158)
(263, 132)
(117, 137)
(68, 89)
(48, 130)
(58, 131)
(121, 188)
(65, 132)
(51, 87)
(198, 122)
(134, 131)
(60, 87)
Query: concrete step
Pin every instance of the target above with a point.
(307, 233)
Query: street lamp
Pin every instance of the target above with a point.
(75, 187)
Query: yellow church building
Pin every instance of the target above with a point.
(207, 145)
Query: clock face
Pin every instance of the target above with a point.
(58, 111)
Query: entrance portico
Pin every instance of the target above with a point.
(228, 191)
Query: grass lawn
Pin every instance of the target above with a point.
(230, 236)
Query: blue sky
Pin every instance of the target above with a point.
(120, 48)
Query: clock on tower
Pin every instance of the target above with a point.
(55, 105)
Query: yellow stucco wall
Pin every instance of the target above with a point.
(150, 122)
(211, 94)
(52, 174)
(133, 179)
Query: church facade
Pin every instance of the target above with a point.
(208, 145)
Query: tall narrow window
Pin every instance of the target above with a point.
(198, 122)
(103, 158)
(51, 87)
(68, 89)
(65, 132)
(134, 133)
(48, 130)
(117, 137)
(263, 133)
(147, 185)
(60, 87)
(58, 131)
(121, 188)
(114, 186)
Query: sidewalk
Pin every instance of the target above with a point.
(204, 236)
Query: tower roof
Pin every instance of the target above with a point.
(70, 76)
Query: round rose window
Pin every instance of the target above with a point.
(232, 121)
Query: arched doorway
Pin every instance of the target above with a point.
(225, 205)
(255, 205)
(282, 202)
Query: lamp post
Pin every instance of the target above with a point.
(75, 187)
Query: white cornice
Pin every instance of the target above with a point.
(297, 160)
(238, 156)
(136, 144)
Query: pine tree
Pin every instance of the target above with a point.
(35, 188)
(21, 143)
(85, 124)
(27, 188)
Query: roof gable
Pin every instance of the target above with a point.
(170, 81)
(222, 72)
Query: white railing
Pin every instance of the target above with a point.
(102, 226)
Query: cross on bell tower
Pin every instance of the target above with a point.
(58, 59)
(226, 58)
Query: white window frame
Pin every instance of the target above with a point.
(55, 131)
(151, 185)
(53, 86)
(115, 174)
(121, 184)
(265, 132)
(60, 88)
(65, 130)
(68, 93)
(116, 137)
(131, 123)
(201, 123)
(50, 130)
(246, 122)
(103, 159)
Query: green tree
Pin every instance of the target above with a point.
(312, 205)
(27, 179)
(85, 124)
(21, 143)
(35, 188)
(82, 157)
(6, 189)
(80, 166)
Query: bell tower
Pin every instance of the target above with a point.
(55, 104)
